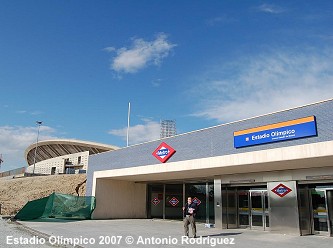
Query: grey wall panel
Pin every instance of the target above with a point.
(283, 210)
(215, 141)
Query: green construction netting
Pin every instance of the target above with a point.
(59, 206)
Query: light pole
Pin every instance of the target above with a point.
(39, 123)
(128, 122)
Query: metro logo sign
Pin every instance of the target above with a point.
(163, 152)
(155, 201)
(281, 190)
(196, 201)
(173, 201)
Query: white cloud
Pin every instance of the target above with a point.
(148, 131)
(15, 139)
(157, 82)
(220, 19)
(36, 112)
(269, 8)
(21, 111)
(110, 49)
(266, 83)
(140, 54)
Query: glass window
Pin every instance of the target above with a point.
(198, 194)
(174, 201)
(156, 201)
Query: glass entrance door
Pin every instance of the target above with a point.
(316, 209)
(319, 210)
(259, 214)
(243, 208)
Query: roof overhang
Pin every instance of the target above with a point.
(287, 158)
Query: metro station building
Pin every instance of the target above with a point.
(272, 172)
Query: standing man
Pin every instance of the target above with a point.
(189, 212)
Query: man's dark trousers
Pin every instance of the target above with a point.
(189, 219)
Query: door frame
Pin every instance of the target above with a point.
(328, 214)
(246, 210)
(264, 212)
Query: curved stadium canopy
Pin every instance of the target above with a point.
(55, 148)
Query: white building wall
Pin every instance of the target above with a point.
(120, 199)
(45, 166)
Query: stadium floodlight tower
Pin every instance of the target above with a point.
(168, 128)
(38, 123)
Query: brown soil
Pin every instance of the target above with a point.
(16, 192)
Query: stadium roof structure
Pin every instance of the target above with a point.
(59, 147)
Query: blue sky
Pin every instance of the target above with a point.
(75, 65)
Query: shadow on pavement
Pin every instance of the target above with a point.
(222, 234)
(50, 220)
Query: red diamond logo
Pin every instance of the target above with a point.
(281, 190)
(197, 201)
(173, 201)
(155, 201)
(163, 152)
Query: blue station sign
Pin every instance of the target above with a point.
(287, 130)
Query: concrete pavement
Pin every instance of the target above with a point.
(162, 233)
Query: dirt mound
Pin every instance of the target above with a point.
(16, 192)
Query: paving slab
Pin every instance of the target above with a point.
(162, 233)
(9, 230)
